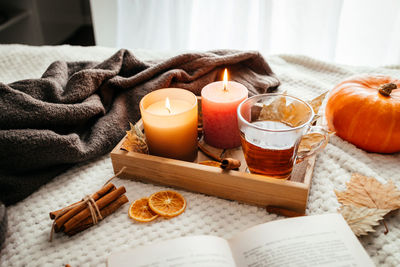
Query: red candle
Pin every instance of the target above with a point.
(219, 101)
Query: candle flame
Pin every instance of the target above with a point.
(225, 82)
(167, 105)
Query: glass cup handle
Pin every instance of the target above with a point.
(311, 143)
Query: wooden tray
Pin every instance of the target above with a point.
(239, 185)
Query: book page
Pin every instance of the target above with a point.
(196, 251)
(319, 240)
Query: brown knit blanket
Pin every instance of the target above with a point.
(79, 110)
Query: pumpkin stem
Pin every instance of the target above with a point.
(386, 89)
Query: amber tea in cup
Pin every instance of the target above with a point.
(271, 127)
(272, 160)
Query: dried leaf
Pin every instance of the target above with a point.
(310, 141)
(296, 114)
(293, 114)
(211, 163)
(368, 192)
(317, 102)
(274, 111)
(362, 219)
(135, 140)
(368, 199)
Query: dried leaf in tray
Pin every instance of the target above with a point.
(135, 140)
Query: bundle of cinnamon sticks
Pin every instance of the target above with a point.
(87, 212)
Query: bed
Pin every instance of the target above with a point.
(29, 224)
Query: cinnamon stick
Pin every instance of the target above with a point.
(101, 203)
(104, 190)
(106, 211)
(72, 212)
(54, 214)
(208, 153)
(230, 164)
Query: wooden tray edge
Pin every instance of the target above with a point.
(248, 188)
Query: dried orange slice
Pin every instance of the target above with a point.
(141, 212)
(167, 203)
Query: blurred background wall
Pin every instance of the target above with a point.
(46, 22)
(355, 32)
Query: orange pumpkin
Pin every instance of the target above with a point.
(365, 110)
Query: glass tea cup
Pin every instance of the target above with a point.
(271, 127)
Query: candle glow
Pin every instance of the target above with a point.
(225, 80)
(168, 105)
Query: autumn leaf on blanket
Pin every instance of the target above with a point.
(367, 192)
(362, 219)
(135, 141)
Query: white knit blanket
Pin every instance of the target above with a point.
(29, 224)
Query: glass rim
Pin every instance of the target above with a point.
(275, 130)
(141, 106)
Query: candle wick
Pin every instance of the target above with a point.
(169, 110)
(225, 88)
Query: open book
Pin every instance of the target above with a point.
(319, 240)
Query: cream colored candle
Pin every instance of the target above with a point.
(170, 123)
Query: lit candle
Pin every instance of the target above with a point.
(219, 101)
(170, 123)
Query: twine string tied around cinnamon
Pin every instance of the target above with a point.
(87, 200)
(93, 208)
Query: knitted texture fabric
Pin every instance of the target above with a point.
(29, 224)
